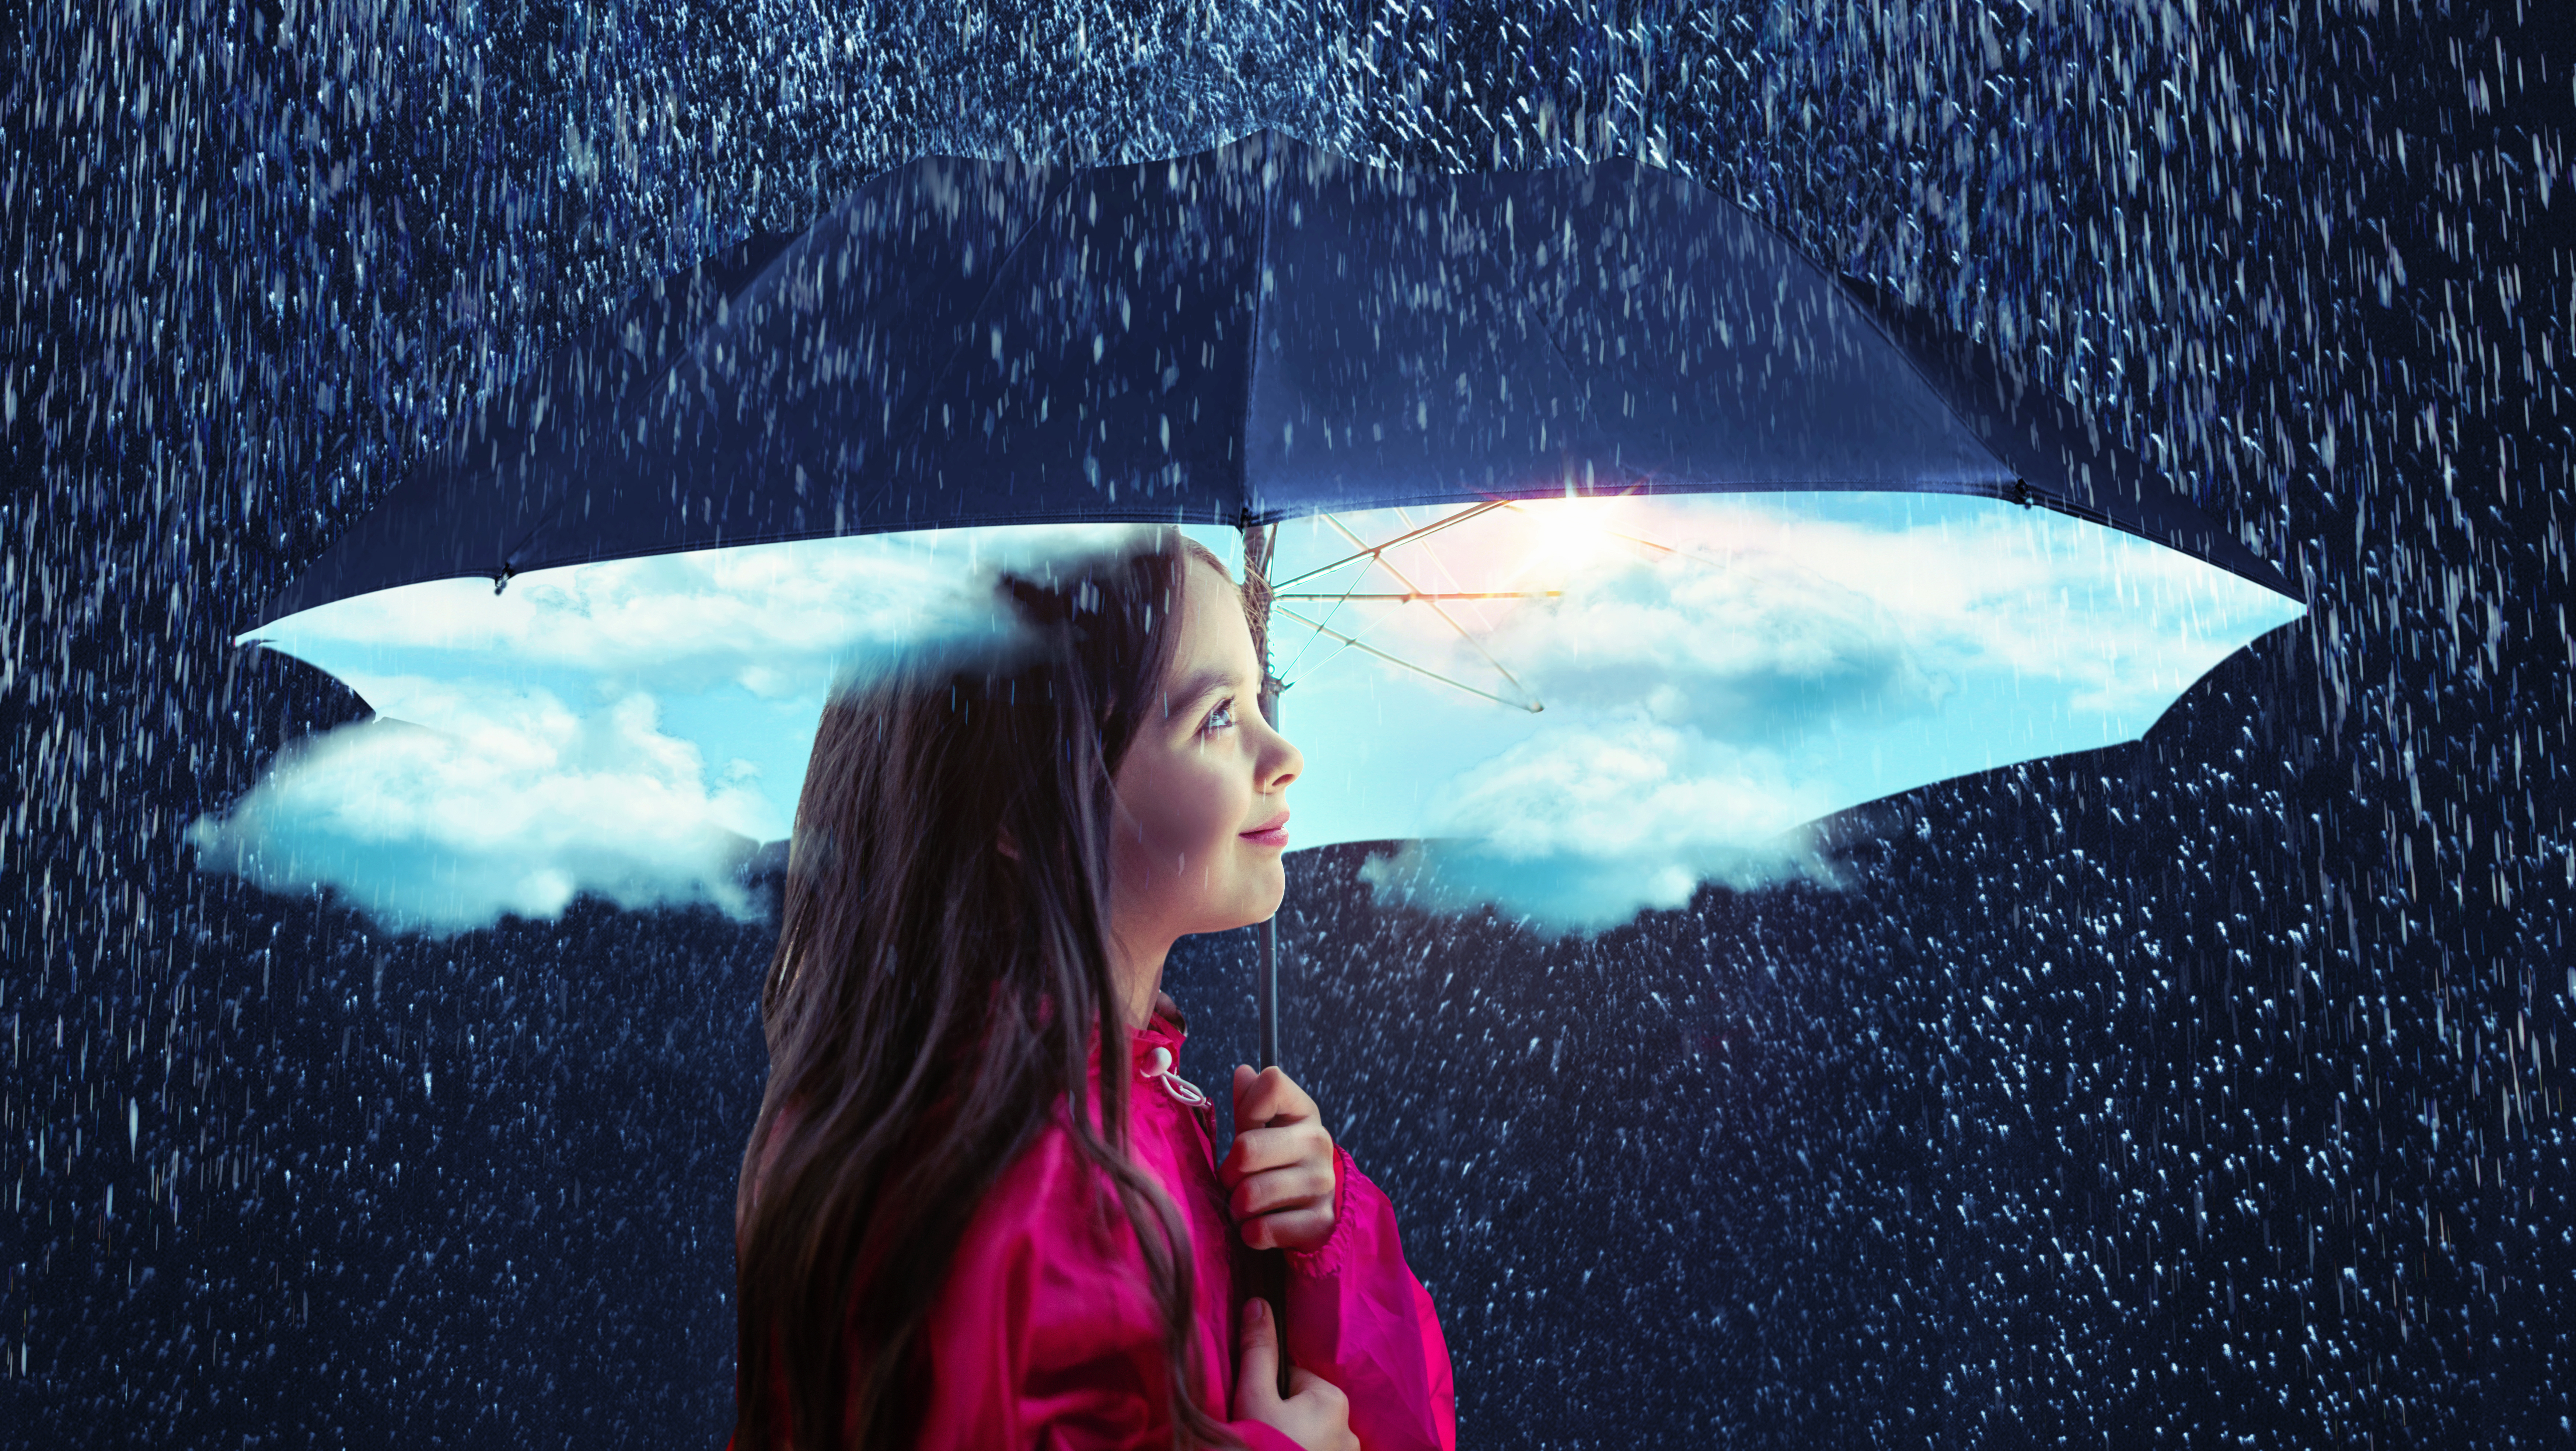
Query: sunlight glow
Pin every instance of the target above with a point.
(1562, 537)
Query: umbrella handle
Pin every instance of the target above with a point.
(1270, 1266)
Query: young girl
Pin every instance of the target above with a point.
(980, 1208)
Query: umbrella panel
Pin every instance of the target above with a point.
(1259, 331)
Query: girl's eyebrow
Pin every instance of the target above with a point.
(1200, 686)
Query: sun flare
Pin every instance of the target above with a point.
(1563, 537)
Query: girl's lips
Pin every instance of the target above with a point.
(1271, 833)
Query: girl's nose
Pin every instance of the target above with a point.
(1280, 764)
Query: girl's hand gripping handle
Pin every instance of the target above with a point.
(1279, 1174)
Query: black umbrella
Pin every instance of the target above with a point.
(1252, 333)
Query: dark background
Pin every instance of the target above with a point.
(2207, 1090)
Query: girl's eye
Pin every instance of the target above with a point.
(1221, 717)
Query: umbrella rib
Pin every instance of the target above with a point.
(1328, 615)
(1348, 643)
(1434, 527)
(1450, 619)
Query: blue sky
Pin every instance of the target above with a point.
(1714, 672)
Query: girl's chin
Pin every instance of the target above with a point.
(1258, 903)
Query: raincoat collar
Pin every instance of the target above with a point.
(1153, 1053)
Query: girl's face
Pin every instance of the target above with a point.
(1201, 791)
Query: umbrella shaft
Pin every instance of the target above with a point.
(1269, 993)
(1257, 540)
(1266, 989)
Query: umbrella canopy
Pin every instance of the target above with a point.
(1400, 365)
(1256, 332)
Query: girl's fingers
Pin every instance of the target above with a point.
(1281, 1189)
(1289, 1229)
(1270, 1095)
(1257, 1361)
(1259, 1150)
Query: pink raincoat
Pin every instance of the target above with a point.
(1045, 1335)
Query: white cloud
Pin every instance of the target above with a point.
(1582, 826)
(1763, 621)
(1770, 666)
(777, 620)
(2111, 622)
(1757, 650)
(510, 803)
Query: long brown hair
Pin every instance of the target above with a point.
(932, 1000)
